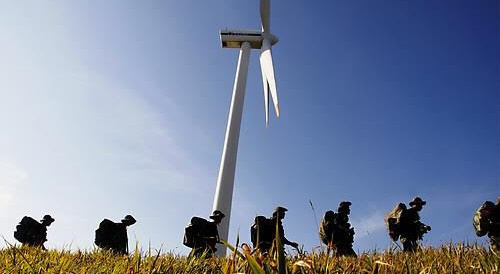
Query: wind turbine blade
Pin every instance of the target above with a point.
(266, 64)
(266, 94)
(265, 10)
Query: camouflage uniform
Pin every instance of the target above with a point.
(411, 229)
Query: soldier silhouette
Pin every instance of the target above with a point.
(487, 221)
(202, 235)
(405, 224)
(278, 215)
(113, 236)
(336, 231)
(263, 231)
(32, 233)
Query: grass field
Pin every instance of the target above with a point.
(447, 259)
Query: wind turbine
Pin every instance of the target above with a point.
(245, 40)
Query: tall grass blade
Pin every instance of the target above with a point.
(252, 262)
(280, 252)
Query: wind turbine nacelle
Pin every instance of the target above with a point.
(234, 38)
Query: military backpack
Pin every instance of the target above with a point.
(104, 234)
(326, 230)
(262, 230)
(193, 231)
(29, 231)
(393, 219)
(480, 220)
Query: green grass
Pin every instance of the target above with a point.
(446, 259)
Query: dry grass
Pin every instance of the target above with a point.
(447, 259)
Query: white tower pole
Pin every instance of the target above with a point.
(225, 182)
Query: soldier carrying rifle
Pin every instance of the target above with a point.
(405, 224)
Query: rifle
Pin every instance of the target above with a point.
(422, 229)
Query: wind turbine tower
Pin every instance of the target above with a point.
(245, 40)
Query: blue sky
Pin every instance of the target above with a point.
(110, 108)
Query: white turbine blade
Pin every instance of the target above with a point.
(265, 10)
(266, 63)
(266, 94)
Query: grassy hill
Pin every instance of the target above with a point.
(446, 259)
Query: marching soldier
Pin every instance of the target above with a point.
(410, 227)
(336, 231)
(204, 234)
(263, 231)
(113, 236)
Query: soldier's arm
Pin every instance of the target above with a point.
(290, 243)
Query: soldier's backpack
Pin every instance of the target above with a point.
(262, 230)
(29, 231)
(393, 219)
(193, 231)
(327, 226)
(104, 234)
(480, 220)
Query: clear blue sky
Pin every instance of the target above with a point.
(110, 108)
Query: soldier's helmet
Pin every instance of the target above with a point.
(217, 215)
(47, 220)
(128, 220)
(344, 206)
(417, 201)
(279, 210)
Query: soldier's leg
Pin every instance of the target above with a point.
(264, 247)
(412, 245)
(407, 244)
(350, 252)
(338, 250)
(495, 243)
(210, 251)
(345, 250)
(197, 252)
